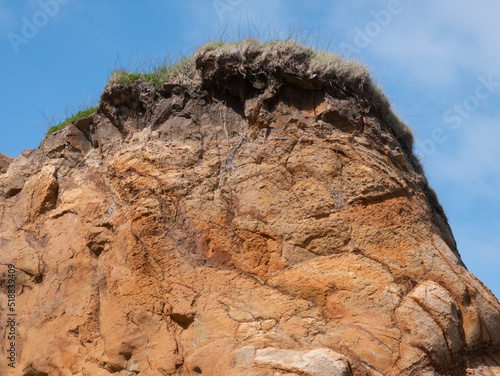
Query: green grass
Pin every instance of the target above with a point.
(72, 119)
(155, 73)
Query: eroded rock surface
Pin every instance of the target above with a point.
(242, 223)
(5, 161)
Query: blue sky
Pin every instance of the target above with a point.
(439, 62)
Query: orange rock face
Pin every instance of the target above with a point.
(194, 229)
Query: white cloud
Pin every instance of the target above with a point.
(425, 58)
(475, 26)
(434, 42)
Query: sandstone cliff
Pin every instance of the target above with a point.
(262, 215)
(4, 163)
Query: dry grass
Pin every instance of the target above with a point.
(292, 52)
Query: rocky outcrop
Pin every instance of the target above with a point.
(256, 219)
(5, 161)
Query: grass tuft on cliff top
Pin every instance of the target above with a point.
(155, 73)
(72, 119)
(317, 60)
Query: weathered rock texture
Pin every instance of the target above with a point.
(250, 221)
(5, 161)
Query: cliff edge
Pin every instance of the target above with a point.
(5, 161)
